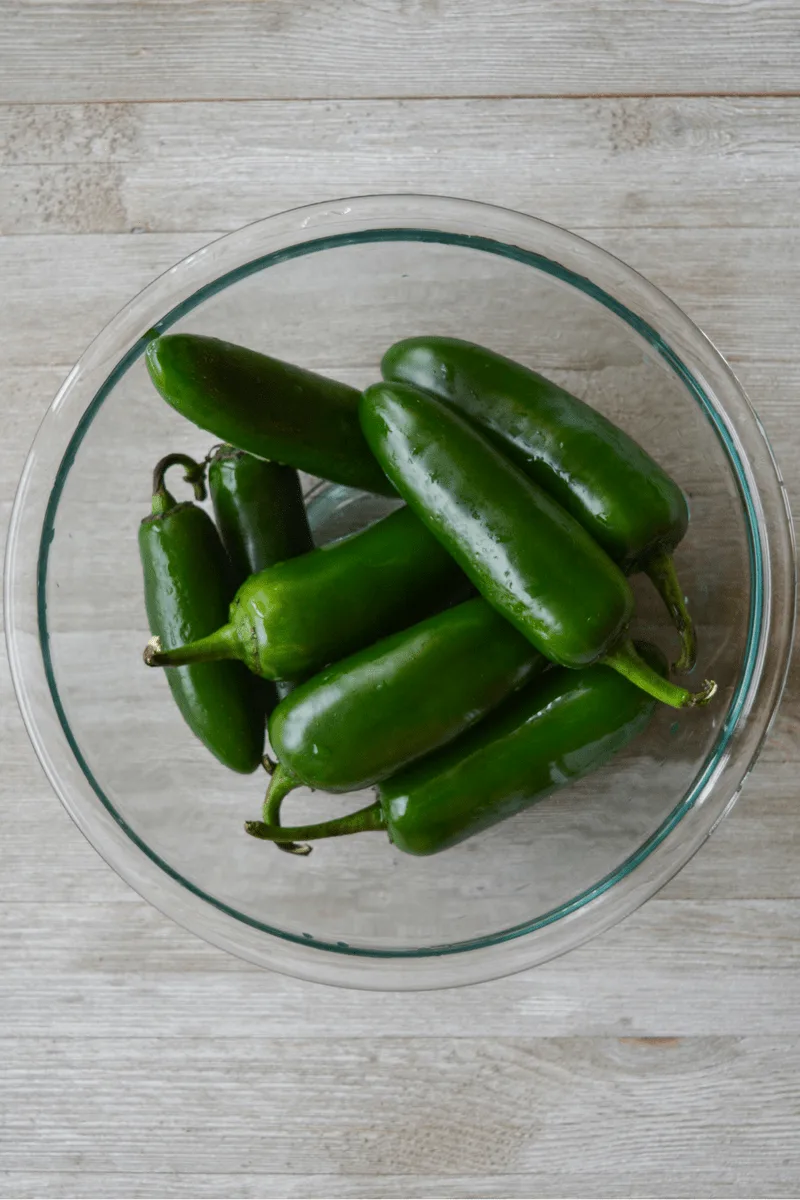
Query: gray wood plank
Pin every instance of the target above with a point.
(738, 285)
(88, 970)
(450, 1106)
(586, 164)
(245, 1185)
(93, 49)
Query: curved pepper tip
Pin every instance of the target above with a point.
(152, 651)
(254, 828)
(625, 659)
(701, 698)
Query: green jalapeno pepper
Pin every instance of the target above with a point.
(554, 731)
(367, 716)
(599, 474)
(296, 617)
(270, 408)
(261, 517)
(259, 510)
(528, 557)
(187, 588)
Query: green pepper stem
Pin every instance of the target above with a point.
(283, 782)
(218, 450)
(223, 643)
(660, 569)
(195, 475)
(624, 658)
(163, 502)
(364, 820)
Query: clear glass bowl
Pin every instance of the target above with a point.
(331, 286)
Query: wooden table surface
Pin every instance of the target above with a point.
(662, 1059)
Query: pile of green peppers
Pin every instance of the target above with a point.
(466, 655)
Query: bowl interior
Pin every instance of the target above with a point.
(335, 308)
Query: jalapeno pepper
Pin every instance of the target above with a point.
(599, 474)
(270, 408)
(187, 588)
(261, 518)
(296, 617)
(259, 511)
(529, 558)
(372, 713)
(554, 731)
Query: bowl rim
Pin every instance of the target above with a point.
(680, 344)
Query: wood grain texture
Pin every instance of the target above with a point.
(663, 1058)
(116, 968)
(739, 286)
(246, 1185)
(587, 164)
(350, 1106)
(275, 49)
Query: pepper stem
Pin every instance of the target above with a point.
(282, 782)
(195, 475)
(364, 820)
(223, 643)
(625, 659)
(660, 568)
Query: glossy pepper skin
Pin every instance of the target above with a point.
(524, 553)
(370, 714)
(557, 729)
(296, 617)
(261, 517)
(187, 588)
(270, 408)
(600, 475)
(259, 511)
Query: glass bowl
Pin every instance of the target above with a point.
(330, 286)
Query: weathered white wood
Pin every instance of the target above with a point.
(233, 49)
(587, 164)
(357, 1185)
(408, 1105)
(675, 969)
